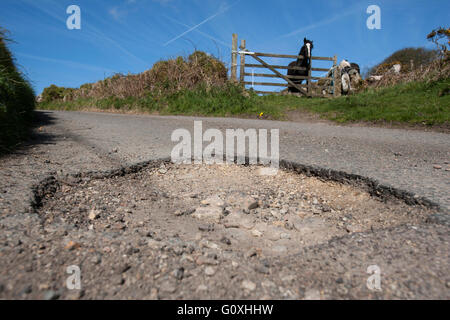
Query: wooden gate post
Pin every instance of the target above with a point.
(234, 53)
(309, 80)
(334, 75)
(242, 71)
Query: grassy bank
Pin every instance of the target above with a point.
(413, 103)
(16, 101)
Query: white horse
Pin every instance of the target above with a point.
(349, 71)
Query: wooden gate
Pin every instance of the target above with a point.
(310, 89)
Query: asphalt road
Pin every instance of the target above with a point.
(414, 259)
(404, 159)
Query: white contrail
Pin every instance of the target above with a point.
(223, 10)
(320, 23)
(202, 33)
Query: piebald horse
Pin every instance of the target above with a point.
(305, 62)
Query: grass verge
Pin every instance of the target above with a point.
(412, 103)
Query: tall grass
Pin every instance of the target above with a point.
(17, 100)
(227, 100)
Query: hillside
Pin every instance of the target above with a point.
(408, 58)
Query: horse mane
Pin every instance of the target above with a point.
(302, 53)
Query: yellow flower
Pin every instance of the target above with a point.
(261, 114)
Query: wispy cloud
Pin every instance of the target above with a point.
(115, 13)
(322, 23)
(160, 1)
(223, 9)
(100, 35)
(67, 63)
(54, 15)
(119, 11)
(88, 29)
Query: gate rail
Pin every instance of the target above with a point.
(304, 89)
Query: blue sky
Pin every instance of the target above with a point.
(131, 35)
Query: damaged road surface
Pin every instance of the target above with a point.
(157, 230)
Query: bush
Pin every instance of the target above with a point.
(165, 78)
(441, 38)
(52, 93)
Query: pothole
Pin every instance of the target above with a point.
(231, 208)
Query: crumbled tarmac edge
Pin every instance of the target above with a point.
(49, 185)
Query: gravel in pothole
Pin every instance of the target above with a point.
(231, 208)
